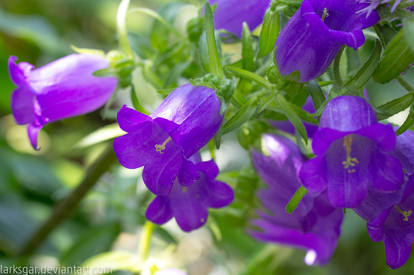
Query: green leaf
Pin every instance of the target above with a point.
(269, 33)
(407, 123)
(397, 57)
(241, 116)
(395, 106)
(359, 80)
(291, 115)
(409, 33)
(247, 49)
(213, 54)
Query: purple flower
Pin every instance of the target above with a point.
(395, 226)
(309, 44)
(314, 225)
(352, 154)
(58, 90)
(388, 215)
(288, 127)
(189, 204)
(230, 14)
(162, 142)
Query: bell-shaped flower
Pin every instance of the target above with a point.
(163, 141)
(395, 226)
(389, 214)
(316, 32)
(230, 14)
(314, 225)
(58, 90)
(189, 204)
(353, 154)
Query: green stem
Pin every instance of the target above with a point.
(63, 210)
(145, 241)
(295, 200)
(122, 28)
(405, 84)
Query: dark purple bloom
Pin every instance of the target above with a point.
(58, 90)
(314, 225)
(230, 14)
(352, 154)
(309, 44)
(189, 204)
(162, 142)
(395, 226)
(288, 127)
(388, 215)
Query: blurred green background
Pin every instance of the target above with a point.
(105, 229)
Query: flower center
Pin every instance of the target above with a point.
(161, 147)
(350, 162)
(405, 213)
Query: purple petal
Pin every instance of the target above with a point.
(22, 105)
(309, 45)
(374, 206)
(61, 89)
(143, 140)
(308, 241)
(347, 114)
(397, 250)
(230, 14)
(220, 194)
(161, 172)
(188, 173)
(383, 134)
(130, 120)
(209, 168)
(349, 170)
(404, 150)
(33, 132)
(312, 175)
(18, 73)
(188, 206)
(389, 175)
(67, 88)
(159, 211)
(196, 109)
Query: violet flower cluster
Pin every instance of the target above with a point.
(166, 143)
(359, 164)
(314, 225)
